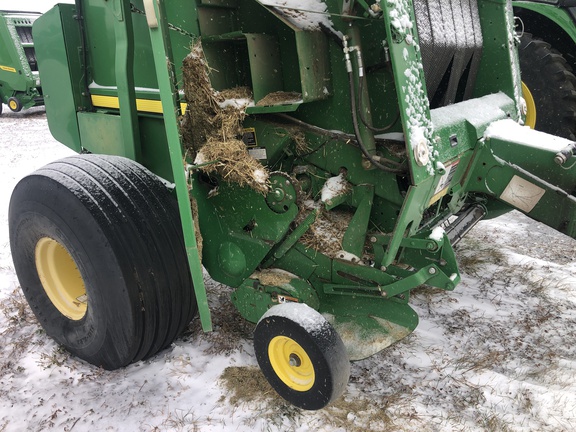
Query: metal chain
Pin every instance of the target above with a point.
(134, 9)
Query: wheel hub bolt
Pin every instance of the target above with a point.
(295, 360)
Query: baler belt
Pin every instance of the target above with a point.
(451, 43)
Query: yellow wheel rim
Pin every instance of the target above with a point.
(291, 363)
(61, 278)
(13, 105)
(530, 107)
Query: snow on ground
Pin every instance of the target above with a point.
(497, 354)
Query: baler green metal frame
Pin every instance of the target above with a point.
(19, 80)
(112, 80)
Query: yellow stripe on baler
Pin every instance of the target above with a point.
(144, 105)
(8, 69)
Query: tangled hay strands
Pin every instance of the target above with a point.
(211, 127)
(234, 164)
(327, 232)
(273, 277)
(280, 98)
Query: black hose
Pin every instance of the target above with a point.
(339, 136)
(357, 131)
(367, 124)
(316, 129)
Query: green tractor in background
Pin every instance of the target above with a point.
(19, 80)
(548, 60)
(320, 157)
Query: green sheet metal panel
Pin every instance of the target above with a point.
(58, 49)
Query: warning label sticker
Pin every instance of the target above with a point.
(249, 137)
(522, 194)
(444, 183)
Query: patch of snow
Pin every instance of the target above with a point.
(334, 186)
(309, 319)
(200, 158)
(400, 16)
(260, 176)
(437, 234)
(240, 103)
(304, 14)
(477, 111)
(509, 130)
(420, 127)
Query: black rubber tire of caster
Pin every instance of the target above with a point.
(98, 249)
(552, 86)
(301, 355)
(14, 104)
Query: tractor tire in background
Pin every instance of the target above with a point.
(549, 88)
(98, 249)
(301, 355)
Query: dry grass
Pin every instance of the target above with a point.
(300, 143)
(234, 164)
(197, 232)
(211, 132)
(476, 256)
(181, 420)
(248, 386)
(326, 233)
(17, 312)
(18, 316)
(202, 103)
(272, 277)
(279, 98)
(230, 330)
(57, 358)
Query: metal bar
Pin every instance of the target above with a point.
(124, 69)
(163, 61)
(355, 235)
(291, 239)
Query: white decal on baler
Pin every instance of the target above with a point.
(522, 194)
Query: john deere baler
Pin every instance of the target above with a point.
(320, 157)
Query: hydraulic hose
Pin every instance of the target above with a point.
(361, 112)
(353, 107)
(357, 130)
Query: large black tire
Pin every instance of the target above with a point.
(301, 356)
(552, 85)
(98, 249)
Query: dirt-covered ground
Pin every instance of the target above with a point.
(497, 354)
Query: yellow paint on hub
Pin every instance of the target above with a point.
(61, 278)
(530, 105)
(291, 363)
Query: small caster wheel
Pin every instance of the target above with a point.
(14, 104)
(301, 355)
